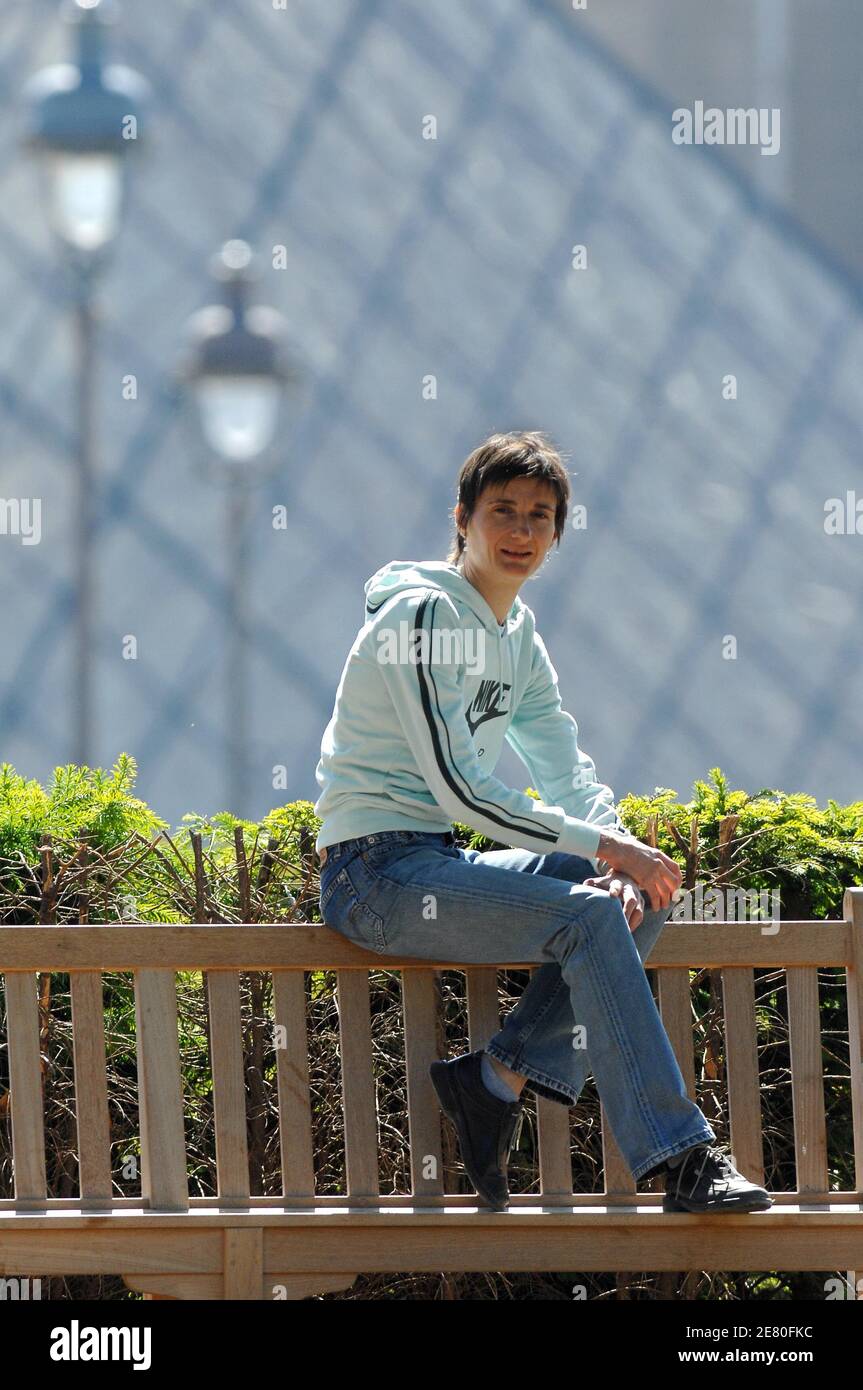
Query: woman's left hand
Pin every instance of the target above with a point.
(623, 887)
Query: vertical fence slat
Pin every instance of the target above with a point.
(25, 1086)
(91, 1085)
(355, 1042)
(807, 1078)
(229, 1089)
(160, 1099)
(852, 910)
(741, 1059)
(292, 1076)
(618, 1179)
(419, 1006)
(555, 1153)
(675, 1008)
(483, 1006)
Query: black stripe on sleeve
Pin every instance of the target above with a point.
(472, 802)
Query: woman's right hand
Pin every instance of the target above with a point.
(656, 874)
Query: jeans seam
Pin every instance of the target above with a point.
(614, 1017)
(524, 1033)
(483, 896)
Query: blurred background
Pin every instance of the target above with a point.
(268, 273)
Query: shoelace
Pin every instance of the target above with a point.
(517, 1139)
(514, 1136)
(711, 1154)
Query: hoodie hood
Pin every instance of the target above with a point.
(398, 575)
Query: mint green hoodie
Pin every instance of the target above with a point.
(431, 687)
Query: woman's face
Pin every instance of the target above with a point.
(510, 531)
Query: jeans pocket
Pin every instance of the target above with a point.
(338, 880)
(343, 910)
(368, 926)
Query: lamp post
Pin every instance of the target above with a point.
(82, 122)
(237, 371)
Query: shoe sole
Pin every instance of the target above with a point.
(451, 1106)
(706, 1208)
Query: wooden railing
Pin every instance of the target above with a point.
(812, 1223)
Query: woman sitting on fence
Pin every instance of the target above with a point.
(447, 664)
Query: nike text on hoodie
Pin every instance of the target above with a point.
(431, 687)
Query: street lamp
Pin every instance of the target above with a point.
(82, 121)
(238, 370)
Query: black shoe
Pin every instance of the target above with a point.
(706, 1180)
(485, 1124)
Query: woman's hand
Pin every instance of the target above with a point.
(657, 873)
(625, 888)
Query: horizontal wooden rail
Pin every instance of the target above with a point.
(307, 946)
(318, 1243)
(82, 1213)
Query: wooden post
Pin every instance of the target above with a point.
(852, 911)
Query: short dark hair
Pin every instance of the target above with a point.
(518, 454)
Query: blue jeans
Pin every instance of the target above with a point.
(587, 1009)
